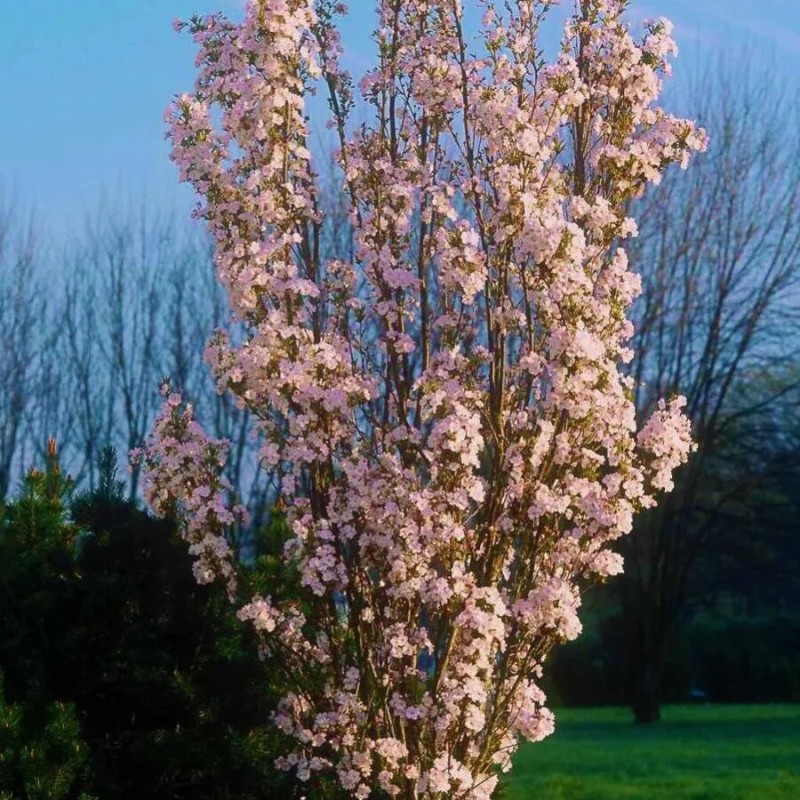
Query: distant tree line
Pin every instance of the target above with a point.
(90, 332)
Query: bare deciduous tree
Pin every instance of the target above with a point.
(140, 303)
(131, 299)
(23, 305)
(719, 254)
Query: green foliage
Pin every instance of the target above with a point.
(270, 575)
(42, 756)
(38, 592)
(103, 627)
(590, 671)
(740, 657)
(729, 654)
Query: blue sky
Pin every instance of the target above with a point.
(85, 82)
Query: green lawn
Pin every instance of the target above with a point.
(696, 753)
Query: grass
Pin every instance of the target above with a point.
(696, 753)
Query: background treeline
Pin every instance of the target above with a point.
(707, 606)
(91, 329)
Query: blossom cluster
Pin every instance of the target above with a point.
(444, 405)
(193, 488)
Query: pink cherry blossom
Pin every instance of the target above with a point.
(443, 406)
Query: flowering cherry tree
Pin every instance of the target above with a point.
(445, 411)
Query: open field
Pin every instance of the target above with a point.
(696, 753)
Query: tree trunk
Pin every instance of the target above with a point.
(648, 674)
